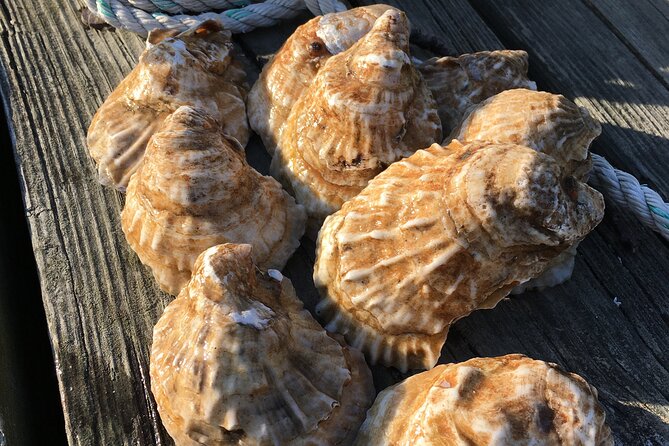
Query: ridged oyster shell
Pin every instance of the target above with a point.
(438, 235)
(291, 70)
(196, 190)
(193, 68)
(545, 122)
(366, 108)
(484, 401)
(237, 360)
(459, 82)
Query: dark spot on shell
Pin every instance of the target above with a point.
(570, 186)
(316, 47)
(355, 161)
(545, 416)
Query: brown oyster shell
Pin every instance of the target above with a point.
(195, 190)
(194, 68)
(459, 82)
(438, 235)
(366, 108)
(508, 400)
(292, 69)
(237, 360)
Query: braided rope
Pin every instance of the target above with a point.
(142, 16)
(624, 189)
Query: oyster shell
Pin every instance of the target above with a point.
(366, 108)
(294, 66)
(510, 399)
(193, 68)
(237, 360)
(438, 235)
(545, 122)
(195, 190)
(459, 82)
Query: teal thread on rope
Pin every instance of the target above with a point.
(657, 211)
(142, 16)
(105, 9)
(237, 13)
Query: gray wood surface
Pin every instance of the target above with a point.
(101, 303)
(643, 26)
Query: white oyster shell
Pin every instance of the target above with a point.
(457, 83)
(366, 108)
(291, 70)
(545, 122)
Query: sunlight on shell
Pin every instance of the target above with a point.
(438, 235)
(293, 68)
(195, 190)
(366, 108)
(545, 122)
(237, 360)
(505, 400)
(457, 83)
(194, 68)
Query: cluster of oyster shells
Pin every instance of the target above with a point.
(413, 235)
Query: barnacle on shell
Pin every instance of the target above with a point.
(195, 190)
(438, 235)
(457, 83)
(366, 108)
(291, 70)
(194, 68)
(506, 400)
(237, 360)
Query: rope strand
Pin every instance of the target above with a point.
(625, 190)
(142, 16)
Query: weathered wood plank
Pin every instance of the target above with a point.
(99, 301)
(27, 374)
(643, 26)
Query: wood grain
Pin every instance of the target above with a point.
(643, 27)
(101, 303)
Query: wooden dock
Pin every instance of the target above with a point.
(610, 56)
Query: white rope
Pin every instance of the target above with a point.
(625, 190)
(142, 16)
